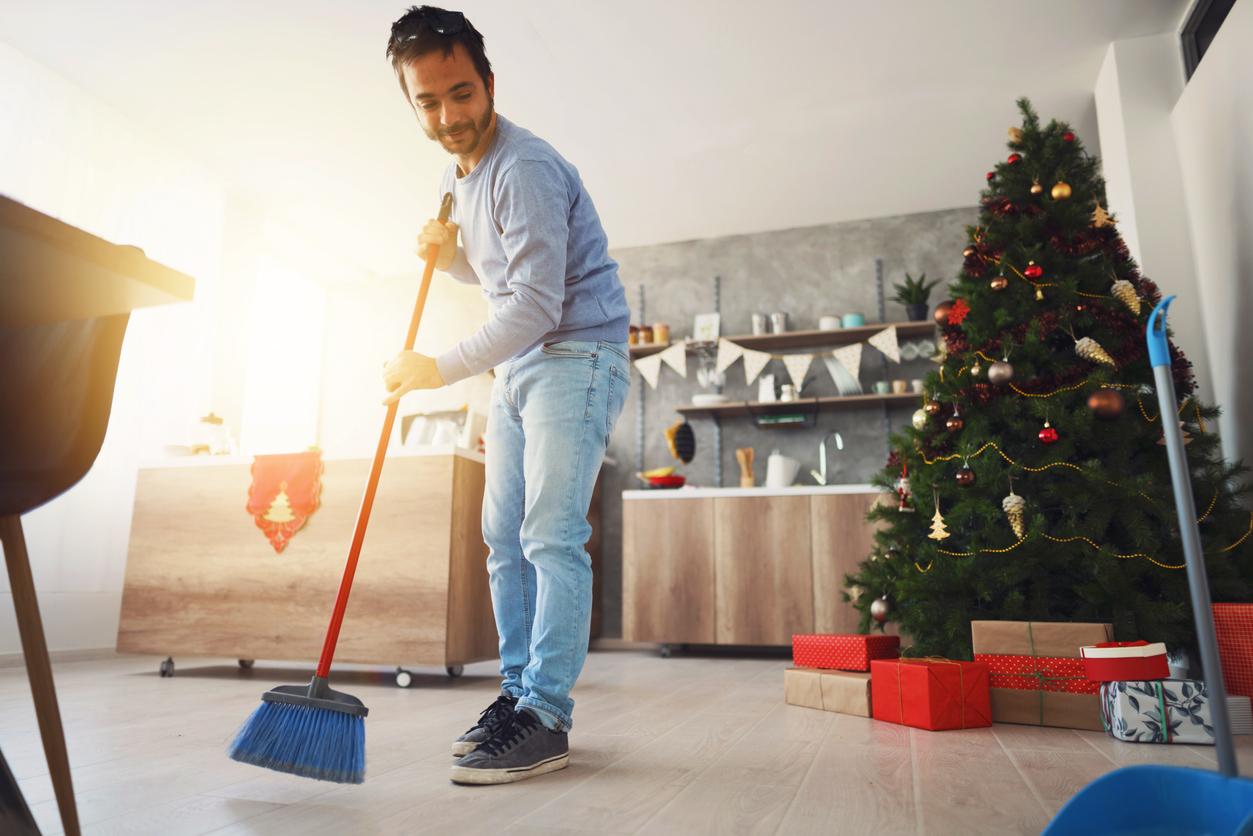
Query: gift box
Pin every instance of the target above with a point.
(1042, 683)
(1157, 711)
(844, 692)
(1125, 661)
(1233, 624)
(843, 652)
(934, 694)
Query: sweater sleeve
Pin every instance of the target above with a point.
(461, 271)
(532, 209)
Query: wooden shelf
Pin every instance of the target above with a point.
(801, 407)
(807, 339)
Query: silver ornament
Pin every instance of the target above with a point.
(879, 610)
(920, 419)
(1000, 372)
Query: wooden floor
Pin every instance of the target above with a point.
(686, 745)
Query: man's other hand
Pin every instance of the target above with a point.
(408, 371)
(442, 235)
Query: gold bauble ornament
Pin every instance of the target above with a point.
(1061, 191)
(1125, 293)
(999, 283)
(940, 315)
(932, 407)
(920, 419)
(1001, 372)
(1106, 404)
(1015, 508)
(1089, 349)
(955, 424)
(975, 369)
(1036, 188)
(1015, 135)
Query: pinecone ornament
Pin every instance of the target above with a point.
(1125, 293)
(1015, 508)
(1090, 349)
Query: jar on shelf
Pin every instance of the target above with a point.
(633, 335)
(661, 332)
(646, 334)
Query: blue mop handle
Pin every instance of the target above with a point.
(1159, 357)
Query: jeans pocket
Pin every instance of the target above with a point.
(566, 349)
(619, 389)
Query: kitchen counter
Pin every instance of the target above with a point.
(795, 490)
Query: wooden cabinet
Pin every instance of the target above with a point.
(740, 566)
(763, 568)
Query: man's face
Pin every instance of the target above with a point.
(448, 96)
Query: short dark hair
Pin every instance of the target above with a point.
(413, 36)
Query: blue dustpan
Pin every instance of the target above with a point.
(1152, 800)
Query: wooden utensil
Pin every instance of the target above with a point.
(744, 456)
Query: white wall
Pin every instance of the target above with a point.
(1213, 124)
(1137, 88)
(66, 154)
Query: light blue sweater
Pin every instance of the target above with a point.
(531, 237)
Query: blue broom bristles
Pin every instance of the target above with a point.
(311, 742)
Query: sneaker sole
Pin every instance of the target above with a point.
(462, 748)
(469, 775)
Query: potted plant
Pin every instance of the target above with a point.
(914, 295)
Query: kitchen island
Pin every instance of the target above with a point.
(742, 566)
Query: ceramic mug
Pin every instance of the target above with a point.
(899, 387)
(882, 387)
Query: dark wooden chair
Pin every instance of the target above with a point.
(65, 300)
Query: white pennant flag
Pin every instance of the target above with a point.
(885, 341)
(850, 358)
(649, 367)
(728, 353)
(676, 357)
(798, 367)
(754, 362)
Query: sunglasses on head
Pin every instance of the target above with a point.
(444, 23)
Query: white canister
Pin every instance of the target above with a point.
(781, 470)
(765, 388)
(829, 323)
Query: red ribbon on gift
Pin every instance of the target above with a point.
(283, 493)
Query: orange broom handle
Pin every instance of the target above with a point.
(367, 501)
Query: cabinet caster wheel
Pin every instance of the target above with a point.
(403, 678)
(167, 667)
(247, 663)
(456, 670)
(665, 651)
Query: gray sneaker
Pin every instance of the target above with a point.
(492, 718)
(521, 748)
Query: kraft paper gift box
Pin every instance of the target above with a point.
(1157, 711)
(935, 694)
(844, 692)
(1042, 683)
(843, 651)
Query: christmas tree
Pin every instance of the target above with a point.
(1038, 443)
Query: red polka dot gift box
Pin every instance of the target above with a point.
(1233, 623)
(843, 652)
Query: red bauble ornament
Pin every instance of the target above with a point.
(941, 312)
(1068, 136)
(1048, 435)
(1033, 271)
(1013, 158)
(991, 174)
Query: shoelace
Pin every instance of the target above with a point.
(496, 713)
(511, 731)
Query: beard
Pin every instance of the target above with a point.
(469, 143)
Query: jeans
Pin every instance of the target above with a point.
(552, 411)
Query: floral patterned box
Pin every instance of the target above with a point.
(1157, 711)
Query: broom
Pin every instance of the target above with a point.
(315, 732)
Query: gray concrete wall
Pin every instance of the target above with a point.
(806, 272)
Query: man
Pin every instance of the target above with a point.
(557, 339)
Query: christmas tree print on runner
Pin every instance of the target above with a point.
(1044, 379)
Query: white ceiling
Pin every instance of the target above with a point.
(687, 119)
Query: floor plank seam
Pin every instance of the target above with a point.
(1031, 787)
(916, 778)
(805, 779)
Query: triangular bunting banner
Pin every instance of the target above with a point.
(885, 341)
(850, 358)
(754, 362)
(676, 357)
(650, 368)
(728, 353)
(798, 367)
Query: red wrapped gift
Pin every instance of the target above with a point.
(1234, 625)
(1125, 661)
(843, 652)
(1038, 673)
(933, 694)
